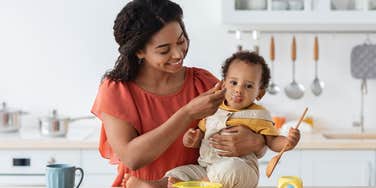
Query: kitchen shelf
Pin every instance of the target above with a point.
(315, 15)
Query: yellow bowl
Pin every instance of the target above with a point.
(197, 184)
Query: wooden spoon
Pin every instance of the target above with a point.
(273, 162)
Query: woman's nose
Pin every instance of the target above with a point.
(177, 53)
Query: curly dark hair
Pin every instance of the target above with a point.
(134, 26)
(249, 57)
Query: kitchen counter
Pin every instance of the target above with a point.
(258, 187)
(87, 138)
(83, 137)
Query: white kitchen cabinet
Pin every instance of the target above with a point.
(289, 165)
(28, 166)
(338, 167)
(98, 171)
(319, 15)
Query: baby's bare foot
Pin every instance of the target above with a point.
(171, 181)
(133, 182)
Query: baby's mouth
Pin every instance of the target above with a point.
(237, 98)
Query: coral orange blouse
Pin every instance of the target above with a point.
(146, 111)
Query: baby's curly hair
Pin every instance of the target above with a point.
(249, 57)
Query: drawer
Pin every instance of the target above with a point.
(92, 162)
(18, 181)
(34, 161)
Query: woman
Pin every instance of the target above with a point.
(149, 99)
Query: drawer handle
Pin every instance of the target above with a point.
(21, 161)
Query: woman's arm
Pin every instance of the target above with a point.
(136, 151)
(238, 141)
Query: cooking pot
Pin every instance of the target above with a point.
(55, 126)
(10, 119)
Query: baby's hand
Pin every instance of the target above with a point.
(192, 138)
(293, 138)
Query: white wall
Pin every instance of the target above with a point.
(53, 54)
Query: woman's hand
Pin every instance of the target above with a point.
(237, 141)
(205, 104)
(192, 138)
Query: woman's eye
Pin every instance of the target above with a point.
(165, 52)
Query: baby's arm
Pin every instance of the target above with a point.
(276, 143)
(192, 138)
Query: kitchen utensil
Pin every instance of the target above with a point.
(197, 184)
(62, 176)
(273, 87)
(10, 120)
(294, 90)
(55, 126)
(317, 85)
(273, 162)
(239, 47)
(363, 66)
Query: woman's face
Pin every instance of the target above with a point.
(166, 49)
(242, 84)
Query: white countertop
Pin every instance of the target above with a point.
(86, 137)
(78, 137)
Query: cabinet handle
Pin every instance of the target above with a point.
(21, 162)
(51, 161)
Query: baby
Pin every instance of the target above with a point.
(246, 77)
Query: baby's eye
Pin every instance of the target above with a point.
(234, 83)
(249, 86)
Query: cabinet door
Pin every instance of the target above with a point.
(34, 161)
(288, 165)
(98, 171)
(338, 168)
(319, 15)
(93, 163)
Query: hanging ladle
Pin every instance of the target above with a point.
(294, 90)
(273, 87)
(317, 85)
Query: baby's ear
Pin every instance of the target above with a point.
(261, 94)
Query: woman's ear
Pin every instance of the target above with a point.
(261, 94)
(140, 54)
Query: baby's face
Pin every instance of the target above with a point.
(242, 84)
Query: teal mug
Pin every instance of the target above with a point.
(62, 176)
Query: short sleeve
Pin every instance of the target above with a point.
(114, 98)
(203, 79)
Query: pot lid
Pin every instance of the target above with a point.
(5, 109)
(54, 116)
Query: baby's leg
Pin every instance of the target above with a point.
(133, 182)
(187, 173)
(233, 172)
